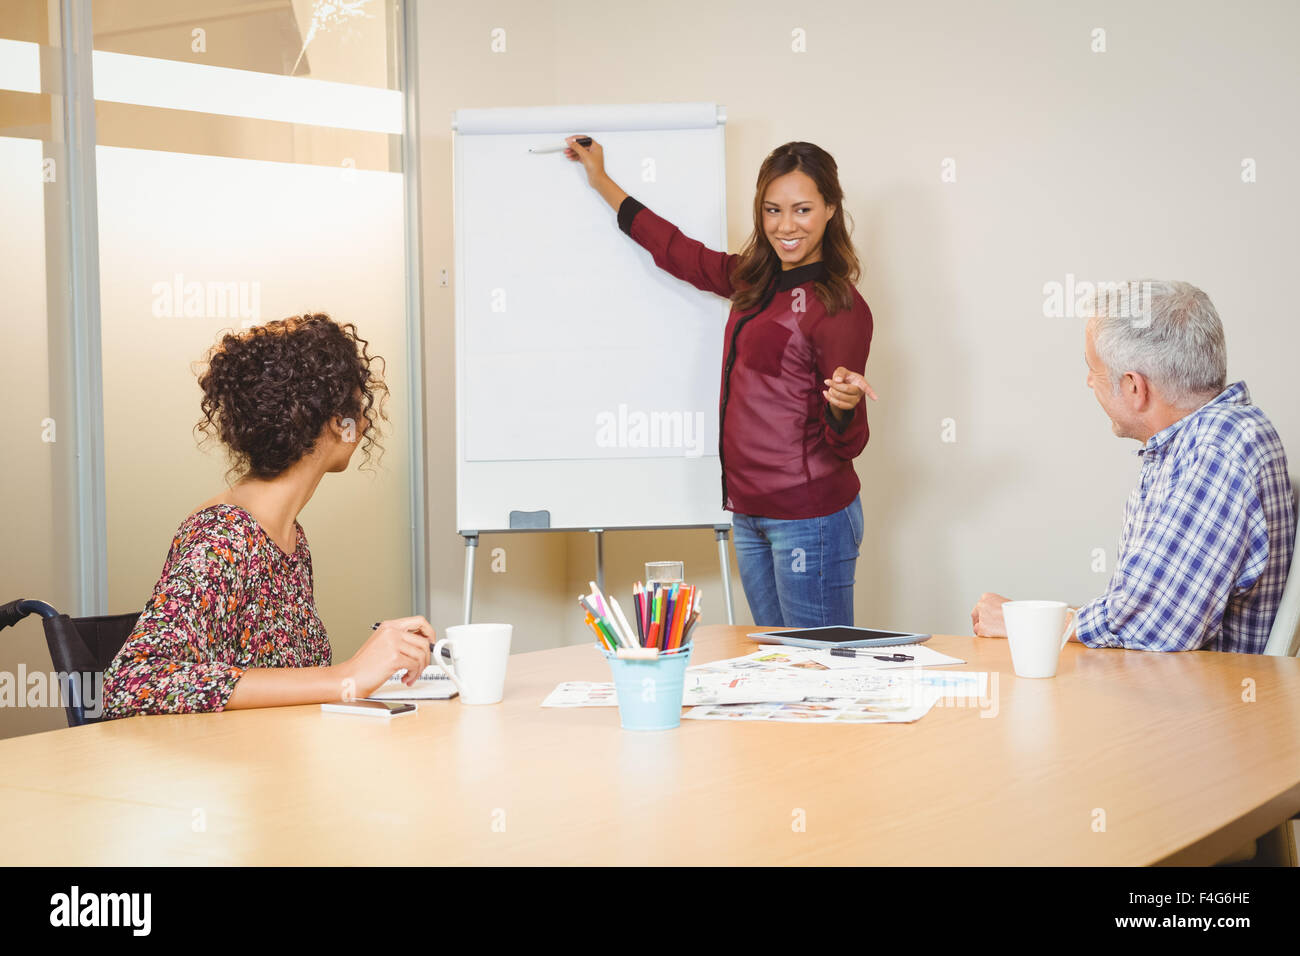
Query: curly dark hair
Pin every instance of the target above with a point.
(269, 391)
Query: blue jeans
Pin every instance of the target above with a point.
(799, 573)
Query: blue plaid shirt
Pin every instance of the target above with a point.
(1208, 535)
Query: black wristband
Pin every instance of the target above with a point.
(627, 211)
(840, 426)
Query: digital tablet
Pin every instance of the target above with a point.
(838, 636)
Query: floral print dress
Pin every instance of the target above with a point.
(228, 599)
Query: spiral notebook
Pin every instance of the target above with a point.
(432, 685)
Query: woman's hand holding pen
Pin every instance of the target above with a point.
(403, 642)
(593, 161)
(844, 389)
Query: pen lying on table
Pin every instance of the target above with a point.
(866, 652)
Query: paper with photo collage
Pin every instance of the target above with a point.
(835, 693)
(900, 708)
(696, 690)
(798, 685)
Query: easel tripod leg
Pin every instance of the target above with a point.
(471, 545)
(724, 560)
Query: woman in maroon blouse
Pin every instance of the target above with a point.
(232, 621)
(796, 342)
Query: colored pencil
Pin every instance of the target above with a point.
(645, 615)
(670, 612)
(660, 613)
(609, 627)
(690, 626)
(600, 637)
(622, 622)
(656, 617)
(679, 617)
(638, 596)
(674, 605)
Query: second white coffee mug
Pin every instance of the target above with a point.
(1037, 631)
(479, 653)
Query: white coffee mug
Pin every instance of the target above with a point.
(1037, 631)
(478, 655)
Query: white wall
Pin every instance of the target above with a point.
(1107, 165)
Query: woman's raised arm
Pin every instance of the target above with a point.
(673, 251)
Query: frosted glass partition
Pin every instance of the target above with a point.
(249, 168)
(238, 164)
(37, 444)
(27, 472)
(191, 245)
(39, 448)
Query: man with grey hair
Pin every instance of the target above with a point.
(1209, 529)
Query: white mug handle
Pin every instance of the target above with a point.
(1069, 628)
(437, 659)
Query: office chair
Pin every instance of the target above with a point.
(80, 648)
(1283, 641)
(1284, 638)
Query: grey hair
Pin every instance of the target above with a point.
(1173, 338)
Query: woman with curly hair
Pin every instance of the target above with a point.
(232, 622)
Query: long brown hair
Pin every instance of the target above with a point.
(759, 263)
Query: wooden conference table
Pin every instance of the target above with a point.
(1183, 769)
